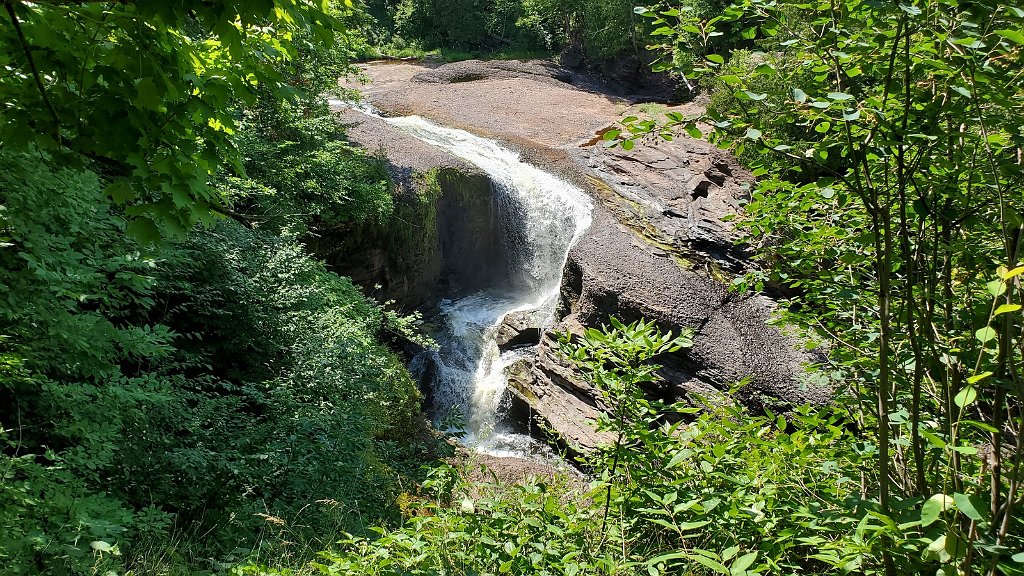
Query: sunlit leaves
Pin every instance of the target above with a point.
(157, 99)
(934, 507)
(966, 397)
(890, 143)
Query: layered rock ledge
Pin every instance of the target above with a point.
(658, 248)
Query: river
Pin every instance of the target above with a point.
(541, 216)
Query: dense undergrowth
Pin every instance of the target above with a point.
(714, 489)
(595, 30)
(886, 147)
(177, 398)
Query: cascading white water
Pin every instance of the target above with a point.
(542, 217)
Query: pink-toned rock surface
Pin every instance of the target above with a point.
(658, 249)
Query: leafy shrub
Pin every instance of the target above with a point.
(715, 490)
(271, 392)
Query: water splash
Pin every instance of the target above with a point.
(541, 217)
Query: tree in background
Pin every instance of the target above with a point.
(603, 30)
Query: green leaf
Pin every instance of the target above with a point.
(743, 562)
(978, 377)
(146, 96)
(839, 96)
(754, 95)
(1012, 273)
(799, 95)
(710, 563)
(933, 549)
(985, 334)
(970, 505)
(996, 287)
(101, 546)
(666, 557)
(1006, 308)
(1012, 35)
(677, 459)
(120, 191)
(981, 426)
(144, 230)
(933, 439)
(966, 397)
(684, 526)
(753, 133)
(961, 90)
(934, 507)
(717, 59)
(1018, 557)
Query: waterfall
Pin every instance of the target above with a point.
(541, 217)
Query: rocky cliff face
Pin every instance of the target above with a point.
(658, 248)
(443, 239)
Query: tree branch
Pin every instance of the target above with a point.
(32, 66)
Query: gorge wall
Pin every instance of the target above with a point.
(443, 239)
(658, 247)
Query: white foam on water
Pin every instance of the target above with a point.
(551, 215)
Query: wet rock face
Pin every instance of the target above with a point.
(444, 239)
(518, 330)
(470, 241)
(658, 248)
(550, 400)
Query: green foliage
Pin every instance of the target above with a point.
(450, 23)
(67, 275)
(184, 404)
(714, 490)
(605, 29)
(536, 528)
(304, 178)
(120, 428)
(148, 90)
(888, 142)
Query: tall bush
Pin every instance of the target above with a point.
(886, 140)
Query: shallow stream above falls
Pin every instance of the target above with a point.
(540, 217)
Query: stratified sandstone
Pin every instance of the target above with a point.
(659, 247)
